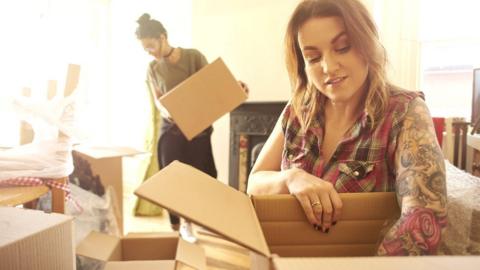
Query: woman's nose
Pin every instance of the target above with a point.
(329, 64)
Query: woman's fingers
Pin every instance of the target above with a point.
(307, 207)
(327, 212)
(244, 86)
(337, 206)
(317, 207)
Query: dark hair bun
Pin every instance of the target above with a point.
(145, 18)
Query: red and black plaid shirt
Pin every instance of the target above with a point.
(364, 158)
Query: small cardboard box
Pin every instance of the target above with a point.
(160, 251)
(231, 213)
(31, 239)
(107, 163)
(203, 98)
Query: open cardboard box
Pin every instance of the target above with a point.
(209, 203)
(381, 263)
(203, 98)
(107, 163)
(159, 251)
(32, 239)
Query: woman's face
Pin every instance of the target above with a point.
(332, 64)
(153, 46)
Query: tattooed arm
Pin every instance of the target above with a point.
(420, 187)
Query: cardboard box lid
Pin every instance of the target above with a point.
(100, 152)
(203, 98)
(104, 247)
(17, 223)
(374, 263)
(206, 201)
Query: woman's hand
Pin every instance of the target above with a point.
(318, 198)
(244, 87)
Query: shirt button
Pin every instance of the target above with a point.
(356, 173)
(290, 156)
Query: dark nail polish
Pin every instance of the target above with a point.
(334, 223)
(327, 230)
(316, 227)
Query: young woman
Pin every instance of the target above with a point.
(347, 129)
(171, 66)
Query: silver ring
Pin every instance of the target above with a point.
(316, 203)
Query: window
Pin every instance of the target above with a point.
(450, 50)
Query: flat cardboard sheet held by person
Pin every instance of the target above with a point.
(203, 98)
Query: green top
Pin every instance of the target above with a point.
(164, 76)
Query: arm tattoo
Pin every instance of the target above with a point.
(420, 188)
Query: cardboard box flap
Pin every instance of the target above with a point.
(99, 152)
(141, 265)
(203, 98)
(191, 255)
(100, 246)
(204, 200)
(363, 205)
(17, 223)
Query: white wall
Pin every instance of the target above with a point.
(248, 35)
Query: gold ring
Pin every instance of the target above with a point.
(315, 203)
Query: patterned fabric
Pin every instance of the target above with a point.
(35, 181)
(364, 158)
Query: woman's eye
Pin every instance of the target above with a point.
(312, 60)
(343, 49)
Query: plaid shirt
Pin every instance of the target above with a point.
(364, 158)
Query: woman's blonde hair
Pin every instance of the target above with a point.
(363, 36)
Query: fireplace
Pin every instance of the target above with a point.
(250, 126)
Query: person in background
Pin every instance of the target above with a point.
(171, 66)
(346, 128)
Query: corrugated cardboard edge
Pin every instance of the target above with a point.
(145, 191)
(52, 233)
